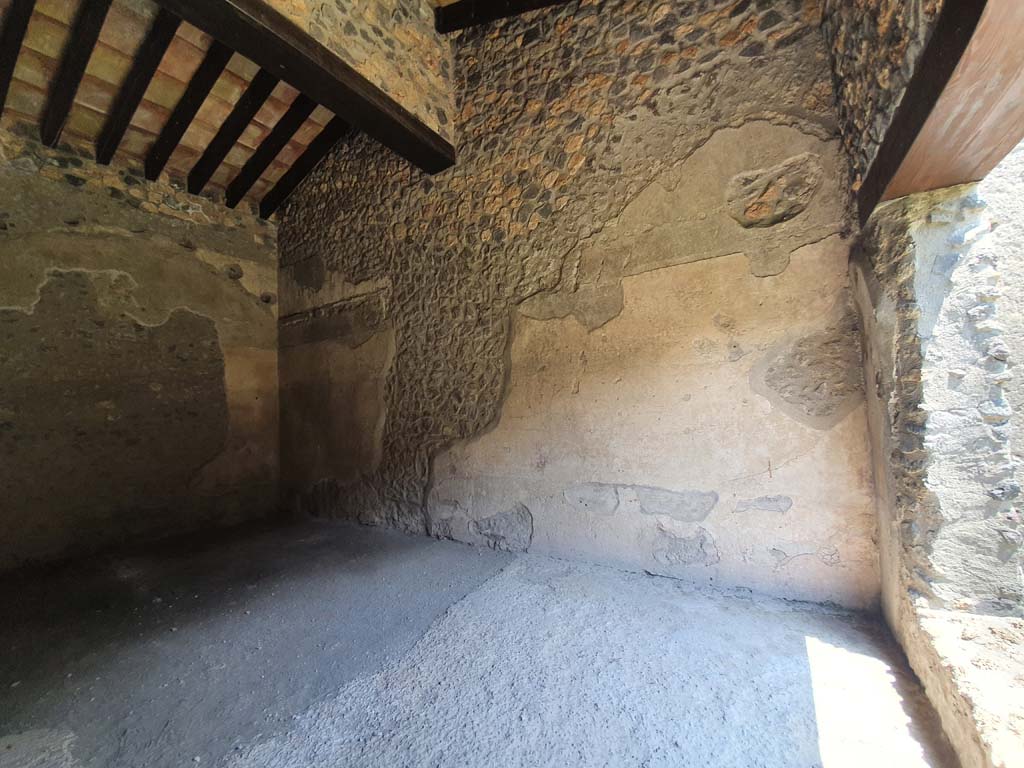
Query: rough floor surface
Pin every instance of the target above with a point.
(335, 646)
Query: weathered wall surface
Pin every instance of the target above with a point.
(927, 279)
(928, 283)
(138, 355)
(392, 43)
(1003, 191)
(874, 45)
(618, 329)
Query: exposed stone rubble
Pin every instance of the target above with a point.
(874, 46)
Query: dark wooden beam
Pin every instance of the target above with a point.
(269, 148)
(11, 34)
(85, 31)
(470, 13)
(147, 59)
(185, 110)
(332, 133)
(979, 118)
(949, 40)
(278, 45)
(242, 114)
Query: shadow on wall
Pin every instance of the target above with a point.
(104, 421)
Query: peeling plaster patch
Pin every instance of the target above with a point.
(816, 378)
(778, 504)
(604, 499)
(685, 506)
(308, 274)
(676, 550)
(600, 499)
(768, 196)
(592, 305)
(669, 222)
(124, 414)
(769, 262)
(509, 531)
(827, 554)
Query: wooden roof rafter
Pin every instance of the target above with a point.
(260, 144)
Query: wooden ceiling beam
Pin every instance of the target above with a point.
(85, 31)
(269, 148)
(332, 133)
(143, 68)
(278, 45)
(242, 114)
(470, 13)
(196, 91)
(11, 35)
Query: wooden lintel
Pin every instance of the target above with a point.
(963, 110)
(281, 47)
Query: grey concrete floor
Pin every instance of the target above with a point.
(328, 645)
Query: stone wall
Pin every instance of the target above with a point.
(138, 355)
(929, 283)
(875, 45)
(392, 43)
(618, 329)
(1003, 191)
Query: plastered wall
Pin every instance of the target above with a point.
(619, 329)
(138, 355)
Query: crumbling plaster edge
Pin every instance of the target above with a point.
(908, 601)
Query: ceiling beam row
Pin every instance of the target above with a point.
(283, 53)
